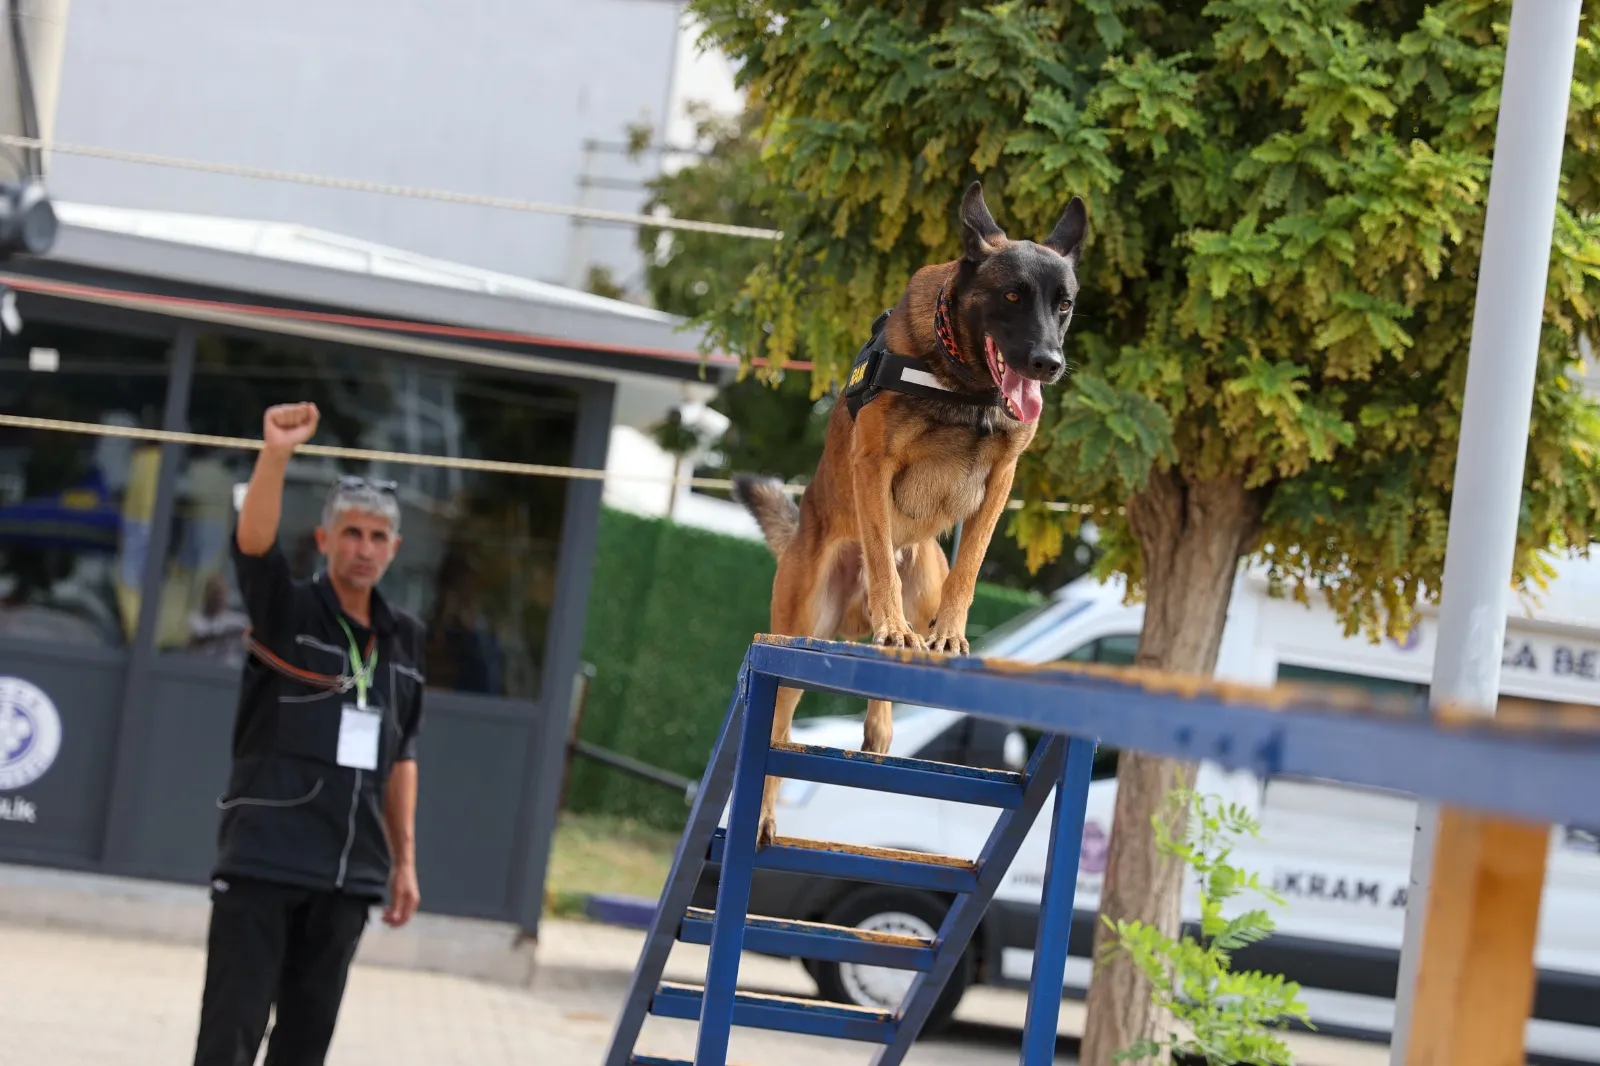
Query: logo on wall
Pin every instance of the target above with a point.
(1092, 854)
(30, 733)
(1409, 642)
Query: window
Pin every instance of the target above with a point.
(974, 741)
(75, 510)
(994, 635)
(1380, 686)
(1113, 649)
(478, 553)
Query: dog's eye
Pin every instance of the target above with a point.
(1066, 305)
(1012, 296)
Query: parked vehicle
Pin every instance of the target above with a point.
(1339, 855)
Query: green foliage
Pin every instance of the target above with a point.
(671, 612)
(1227, 1017)
(675, 437)
(1286, 211)
(600, 281)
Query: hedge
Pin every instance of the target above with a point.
(671, 613)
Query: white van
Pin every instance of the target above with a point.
(1339, 855)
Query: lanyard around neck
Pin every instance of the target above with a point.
(361, 675)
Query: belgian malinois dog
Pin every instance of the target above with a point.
(973, 342)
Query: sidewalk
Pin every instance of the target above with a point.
(75, 999)
(79, 999)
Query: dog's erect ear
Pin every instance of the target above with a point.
(980, 237)
(1067, 237)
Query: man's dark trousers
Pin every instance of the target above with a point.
(272, 943)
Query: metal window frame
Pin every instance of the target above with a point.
(541, 798)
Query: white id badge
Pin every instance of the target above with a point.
(358, 737)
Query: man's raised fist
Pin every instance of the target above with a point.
(286, 426)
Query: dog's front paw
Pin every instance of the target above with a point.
(898, 635)
(951, 644)
(948, 639)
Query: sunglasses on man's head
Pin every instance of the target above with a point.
(356, 481)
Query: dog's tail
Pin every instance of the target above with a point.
(775, 512)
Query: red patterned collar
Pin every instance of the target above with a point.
(944, 327)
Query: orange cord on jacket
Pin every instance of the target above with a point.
(331, 682)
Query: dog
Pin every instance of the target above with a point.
(926, 434)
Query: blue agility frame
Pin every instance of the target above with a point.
(1537, 762)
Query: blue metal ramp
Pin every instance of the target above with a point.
(739, 765)
(1534, 763)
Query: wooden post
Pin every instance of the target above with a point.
(1476, 975)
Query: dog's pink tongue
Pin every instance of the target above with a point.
(1026, 395)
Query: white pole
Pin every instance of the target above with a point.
(1501, 362)
(44, 29)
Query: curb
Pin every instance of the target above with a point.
(175, 913)
(631, 912)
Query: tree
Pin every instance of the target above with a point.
(1286, 210)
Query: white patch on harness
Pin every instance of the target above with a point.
(911, 375)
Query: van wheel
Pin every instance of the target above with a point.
(889, 910)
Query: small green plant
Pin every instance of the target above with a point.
(1222, 1018)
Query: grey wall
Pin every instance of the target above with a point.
(486, 96)
(473, 775)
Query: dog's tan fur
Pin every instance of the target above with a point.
(862, 555)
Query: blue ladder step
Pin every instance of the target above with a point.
(891, 773)
(851, 862)
(786, 1014)
(657, 1060)
(815, 940)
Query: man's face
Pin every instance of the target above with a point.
(359, 548)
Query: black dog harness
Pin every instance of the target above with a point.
(877, 369)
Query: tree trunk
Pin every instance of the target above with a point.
(672, 490)
(1191, 536)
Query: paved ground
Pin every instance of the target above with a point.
(71, 999)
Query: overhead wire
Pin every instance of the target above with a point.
(375, 455)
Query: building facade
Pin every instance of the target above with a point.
(119, 615)
(529, 100)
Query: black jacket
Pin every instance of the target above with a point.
(291, 813)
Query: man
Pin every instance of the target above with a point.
(318, 818)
